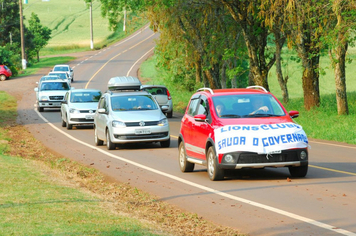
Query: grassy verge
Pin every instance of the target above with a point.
(44, 193)
(320, 123)
(45, 62)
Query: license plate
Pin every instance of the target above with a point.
(142, 131)
(276, 152)
(89, 117)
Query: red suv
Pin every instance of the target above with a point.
(238, 129)
(5, 72)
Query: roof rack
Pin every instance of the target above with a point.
(257, 87)
(124, 83)
(204, 89)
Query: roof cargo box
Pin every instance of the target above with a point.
(124, 83)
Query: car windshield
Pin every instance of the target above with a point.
(247, 106)
(61, 68)
(156, 90)
(133, 102)
(54, 86)
(60, 75)
(80, 97)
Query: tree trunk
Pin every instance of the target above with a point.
(223, 75)
(311, 83)
(282, 81)
(198, 71)
(212, 83)
(38, 56)
(340, 79)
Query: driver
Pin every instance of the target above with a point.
(258, 107)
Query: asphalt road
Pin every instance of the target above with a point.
(257, 202)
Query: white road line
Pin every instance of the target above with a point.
(332, 144)
(139, 60)
(214, 191)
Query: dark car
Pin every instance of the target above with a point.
(240, 129)
(5, 72)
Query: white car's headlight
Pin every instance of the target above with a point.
(163, 122)
(118, 124)
(74, 111)
(44, 98)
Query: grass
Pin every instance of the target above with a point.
(70, 24)
(320, 123)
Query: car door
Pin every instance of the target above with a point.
(64, 106)
(201, 129)
(101, 118)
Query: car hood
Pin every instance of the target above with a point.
(84, 105)
(136, 116)
(53, 92)
(254, 121)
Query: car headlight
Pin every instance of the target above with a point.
(163, 122)
(74, 111)
(43, 98)
(118, 124)
(303, 155)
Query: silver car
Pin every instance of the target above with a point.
(162, 95)
(79, 106)
(128, 115)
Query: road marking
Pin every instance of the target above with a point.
(333, 170)
(336, 145)
(139, 60)
(86, 86)
(211, 190)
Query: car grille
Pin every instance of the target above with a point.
(147, 123)
(82, 120)
(56, 98)
(87, 111)
(245, 158)
(142, 136)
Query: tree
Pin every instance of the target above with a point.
(41, 34)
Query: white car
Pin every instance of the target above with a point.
(65, 68)
(62, 75)
(79, 106)
(127, 115)
(50, 93)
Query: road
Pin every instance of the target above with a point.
(257, 202)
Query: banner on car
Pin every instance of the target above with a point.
(263, 139)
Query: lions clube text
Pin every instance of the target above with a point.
(270, 138)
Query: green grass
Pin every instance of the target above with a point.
(45, 62)
(69, 21)
(320, 123)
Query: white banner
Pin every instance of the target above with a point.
(263, 139)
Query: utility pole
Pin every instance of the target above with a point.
(24, 62)
(124, 29)
(91, 26)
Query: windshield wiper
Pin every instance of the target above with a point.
(262, 115)
(231, 116)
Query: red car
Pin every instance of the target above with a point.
(240, 128)
(5, 72)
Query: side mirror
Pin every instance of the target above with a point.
(64, 102)
(72, 88)
(36, 89)
(293, 114)
(101, 111)
(200, 117)
(164, 108)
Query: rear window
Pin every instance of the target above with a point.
(133, 102)
(156, 91)
(79, 97)
(54, 86)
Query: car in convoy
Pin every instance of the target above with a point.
(61, 75)
(50, 93)
(65, 68)
(162, 95)
(240, 129)
(79, 106)
(5, 72)
(126, 114)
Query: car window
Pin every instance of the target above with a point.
(236, 106)
(60, 68)
(192, 110)
(133, 102)
(156, 91)
(102, 103)
(54, 86)
(87, 96)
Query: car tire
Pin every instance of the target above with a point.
(40, 109)
(185, 166)
(214, 172)
(69, 126)
(64, 124)
(2, 77)
(109, 145)
(170, 114)
(166, 143)
(299, 171)
(97, 141)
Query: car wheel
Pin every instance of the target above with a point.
(213, 170)
(40, 109)
(300, 171)
(2, 77)
(64, 124)
(185, 166)
(69, 126)
(166, 143)
(98, 142)
(170, 114)
(110, 145)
